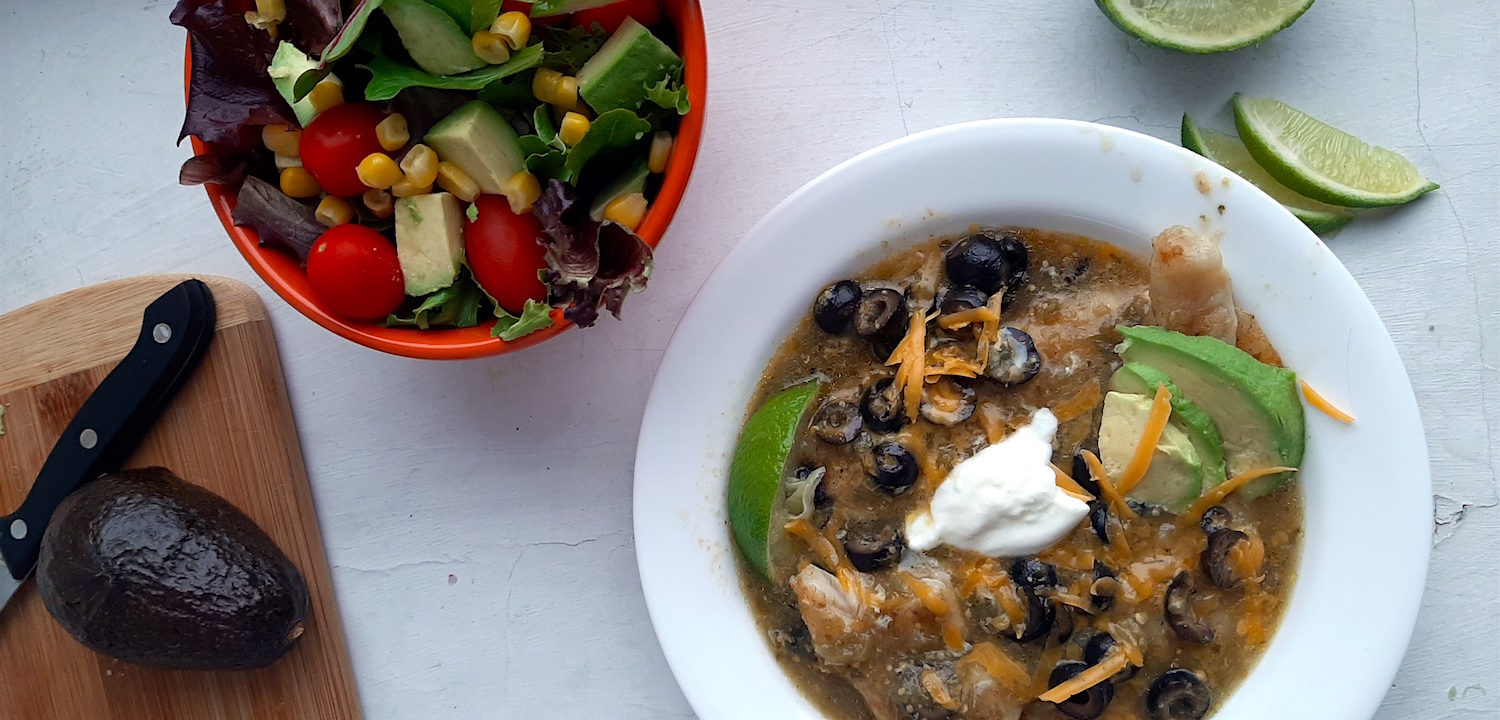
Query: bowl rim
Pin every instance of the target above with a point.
(687, 562)
(272, 265)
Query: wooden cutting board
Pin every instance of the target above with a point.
(230, 430)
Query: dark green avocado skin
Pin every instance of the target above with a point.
(144, 567)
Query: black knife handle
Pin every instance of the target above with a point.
(175, 333)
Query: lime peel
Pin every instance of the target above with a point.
(1203, 26)
(758, 466)
(1231, 153)
(1323, 162)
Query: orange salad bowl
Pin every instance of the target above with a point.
(285, 274)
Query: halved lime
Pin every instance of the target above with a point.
(1322, 161)
(1203, 26)
(758, 466)
(1231, 153)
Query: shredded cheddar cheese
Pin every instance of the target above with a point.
(998, 665)
(930, 598)
(1128, 643)
(953, 637)
(1071, 486)
(990, 332)
(937, 690)
(827, 553)
(1217, 493)
(1106, 669)
(1316, 399)
(1107, 488)
(1156, 423)
(910, 356)
(994, 424)
(965, 318)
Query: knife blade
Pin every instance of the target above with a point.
(176, 330)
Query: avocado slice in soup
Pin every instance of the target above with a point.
(1256, 406)
(1138, 379)
(1175, 477)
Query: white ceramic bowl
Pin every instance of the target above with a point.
(1367, 486)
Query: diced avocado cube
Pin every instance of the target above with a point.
(434, 41)
(632, 59)
(632, 181)
(1138, 379)
(1175, 477)
(1256, 406)
(287, 67)
(429, 241)
(481, 143)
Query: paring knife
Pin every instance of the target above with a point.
(175, 333)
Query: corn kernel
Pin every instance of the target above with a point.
(334, 211)
(490, 47)
(515, 27)
(456, 181)
(326, 94)
(272, 10)
(380, 202)
(407, 188)
(522, 190)
(284, 161)
(281, 139)
(378, 170)
(627, 210)
(574, 126)
(420, 165)
(661, 151)
(566, 96)
(544, 84)
(392, 132)
(299, 183)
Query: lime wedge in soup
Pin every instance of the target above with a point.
(756, 472)
(1231, 153)
(1323, 162)
(1203, 26)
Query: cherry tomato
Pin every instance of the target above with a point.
(645, 12)
(504, 254)
(355, 272)
(334, 143)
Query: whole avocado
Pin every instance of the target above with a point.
(144, 567)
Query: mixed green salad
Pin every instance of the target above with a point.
(441, 163)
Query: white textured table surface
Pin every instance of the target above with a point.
(477, 514)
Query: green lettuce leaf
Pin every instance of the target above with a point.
(535, 316)
(483, 13)
(513, 92)
(388, 77)
(546, 154)
(454, 306)
(567, 49)
(550, 159)
(615, 129)
(459, 10)
(669, 94)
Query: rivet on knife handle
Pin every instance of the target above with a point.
(175, 333)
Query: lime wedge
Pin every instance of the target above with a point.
(758, 466)
(1322, 161)
(1231, 153)
(1203, 26)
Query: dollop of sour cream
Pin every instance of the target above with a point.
(1003, 501)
